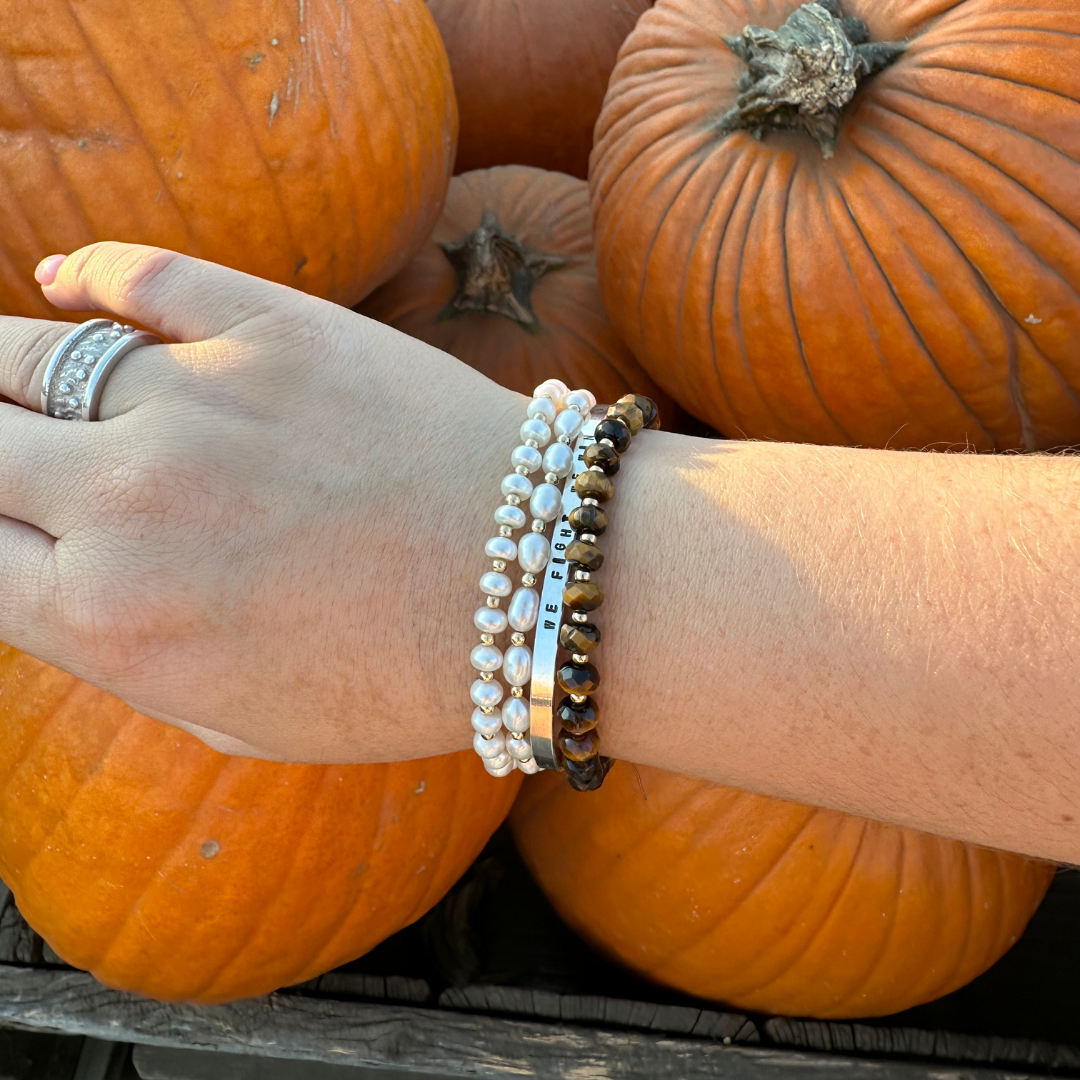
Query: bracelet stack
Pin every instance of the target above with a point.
(502, 734)
(541, 734)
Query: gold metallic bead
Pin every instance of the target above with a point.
(579, 698)
(581, 575)
(528, 579)
(589, 502)
(493, 601)
(587, 538)
(498, 564)
(487, 676)
(514, 500)
(516, 639)
(551, 478)
(522, 470)
(505, 530)
(538, 526)
(580, 658)
(517, 691)
(487, 710)
(579, 616)
(487, 639)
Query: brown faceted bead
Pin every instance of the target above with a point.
(607, 457)
(588, 555)
(586, 775)
(583, 596)
(579, 637)
(594, 485)
(578, 678)
(590, 519)
(579, 747)
(629, 414)
(577, 716)
(649, 412)
(615, 431)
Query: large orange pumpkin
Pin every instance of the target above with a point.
(166, 868)
(530, 77)
(918, 287)
(306, 143)
(768, 905)
(507, 283)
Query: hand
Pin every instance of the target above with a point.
(272, 536)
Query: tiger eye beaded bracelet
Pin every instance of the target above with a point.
(564, 735)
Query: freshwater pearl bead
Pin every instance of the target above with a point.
(558, 459)
(554, 389)
(541, 408)
(583, 399)
(486, 694)
(568, 423)
(517, 664)
(519, 748)
(486, 658)
(515, 715)
(546, 502)
(523, 609)
(489, 748)
(528, 456)
(516, 484)
(513, 517)
(486, 723)
(489, 620)
(501, 547)
(534, 552)
(499, 767)
(529, 767)
(495, 584)
(536, 430)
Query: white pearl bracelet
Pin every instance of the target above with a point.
(502, 734)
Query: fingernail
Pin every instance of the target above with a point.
(48, 268)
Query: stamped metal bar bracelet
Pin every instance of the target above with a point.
(80, 365)
(544, 727)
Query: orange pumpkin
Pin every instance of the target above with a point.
(768, 905)
(166, 868)
(530, 77)
(919, 287)
(309, 144)
(507, 283)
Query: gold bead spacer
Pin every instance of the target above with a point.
(581, 575)
(487, 639)
(589, 502)
(493, 601)
(588, 538)
(579, 616)
(579, 658)
(487, 676)
(551, 478)
(528, 579)
(522, 470)
(517, 639)
(487, 710)
(505, 530)
(498, 564)
(538, 526)
(517, 691)
(533, 443)
(514, 500)
(577, 699)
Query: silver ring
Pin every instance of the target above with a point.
(79, 366)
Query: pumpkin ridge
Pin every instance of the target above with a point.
(133, 910)
(245, 120)
(999, 78)
(719, 922)
(148, 150)
(837, 1007)
(205, 989)
(901, 307)
(1009, 321)
(337, 930)
(791, 310)
(947, 981)
(830, 914)
(39, 734)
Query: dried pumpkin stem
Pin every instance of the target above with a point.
(496, 273)
(801, 76)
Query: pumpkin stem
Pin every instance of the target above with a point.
(801, 76)
(496, 273)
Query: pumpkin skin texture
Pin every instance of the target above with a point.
(917, 289)
(166, 868)
(530, 77)
(309, 145)
(769, 905)
(570, 338)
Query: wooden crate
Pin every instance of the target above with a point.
(462, 994)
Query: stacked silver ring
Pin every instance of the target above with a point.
(76, 373)
(502, 735)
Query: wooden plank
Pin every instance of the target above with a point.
(613, 1012)
(171, 1063)
(402, 1037)
(18, 943)
(911, 1042)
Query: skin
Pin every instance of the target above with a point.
(274, 536)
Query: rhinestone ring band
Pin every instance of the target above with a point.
(79, 366)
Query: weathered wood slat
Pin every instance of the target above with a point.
(401, 1037)
(18, 943)
(912, 1042)
(614, 1012)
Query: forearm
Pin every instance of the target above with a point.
(891, 634)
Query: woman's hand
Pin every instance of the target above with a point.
(271, 537)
